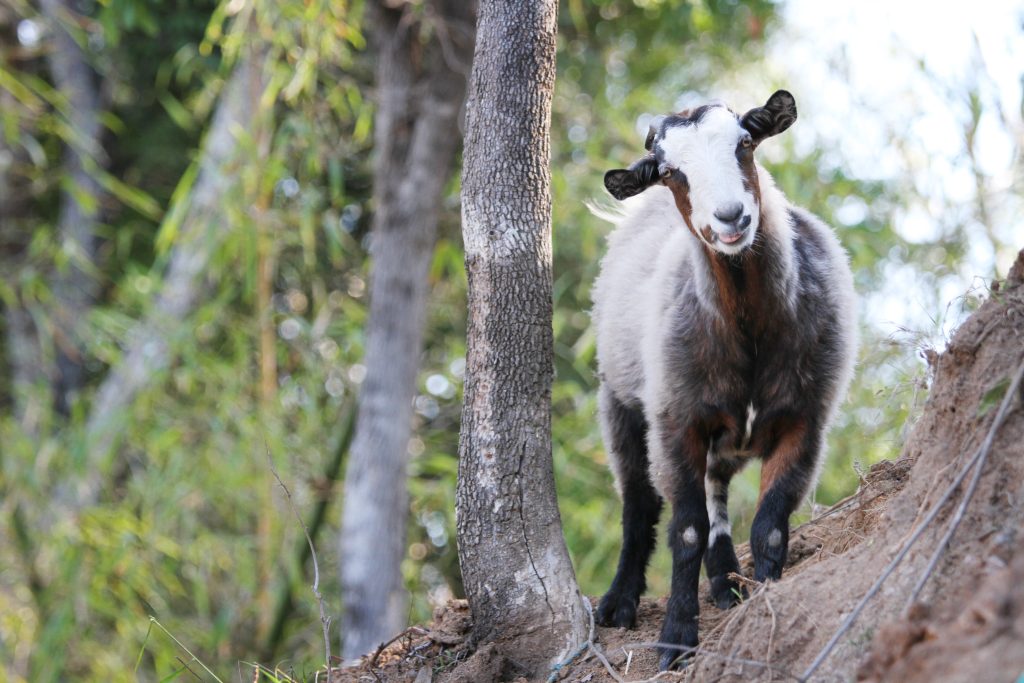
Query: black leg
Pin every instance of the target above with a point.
(688, 538)
(720, 557)
(626, 434)
(769, 535)
(785, 476)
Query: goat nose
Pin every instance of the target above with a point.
(729, 213)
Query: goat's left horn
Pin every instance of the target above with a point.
(653, 131)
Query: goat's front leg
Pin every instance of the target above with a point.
(720, 558)
(688, 539)
(787, 472)
(626, 438)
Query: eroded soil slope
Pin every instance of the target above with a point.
(968, 624)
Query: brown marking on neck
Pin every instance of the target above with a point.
(739, 280)
(729, 291)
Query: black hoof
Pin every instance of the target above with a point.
(725, 592)
(767, 571)
(683, 634)
(672, 659)
(616, 609)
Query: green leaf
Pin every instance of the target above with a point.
(181, 116)
(993, 396)
(168, 232)
(130, 196)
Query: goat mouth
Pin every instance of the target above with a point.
(732, 238)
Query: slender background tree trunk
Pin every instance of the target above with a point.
(518, 577)
(148, 350)
(25, 369)
(422, 63)
(75, 288)
(22, 351)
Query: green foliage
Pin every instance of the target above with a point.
(192, 532)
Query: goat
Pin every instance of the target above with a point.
(725, 323)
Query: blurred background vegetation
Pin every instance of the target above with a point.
(125, 496)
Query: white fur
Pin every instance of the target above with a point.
(751, 416)
(647, 225)
(706, 152)
(719, 519)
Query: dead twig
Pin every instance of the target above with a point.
(592, 646)
(188, 668)
(714, 655)
(383, 646)
(771, 633)
(325, 620)
(978, 457)
(739, 578)
(588, 645)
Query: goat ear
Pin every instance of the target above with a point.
(653, 131)
(778, 114)
(627, 182)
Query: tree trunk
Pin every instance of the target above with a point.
(421, 87)
(515, 566)
(75, 290)
(148, 351)
(24, 360)
(23, 356)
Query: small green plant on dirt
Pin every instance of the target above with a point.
(447, 660)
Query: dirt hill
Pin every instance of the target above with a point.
(967, 624)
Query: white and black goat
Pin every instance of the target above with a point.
(726, 331)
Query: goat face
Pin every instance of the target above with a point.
(706, 158)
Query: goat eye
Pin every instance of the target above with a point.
(746, 143)
(666, 174)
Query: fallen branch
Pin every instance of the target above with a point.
(978, 457)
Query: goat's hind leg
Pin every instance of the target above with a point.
(625, 432)
(720, 557)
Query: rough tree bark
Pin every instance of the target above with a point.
(518, 577)
(74, 290)
(421, 86)
(148, 349)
